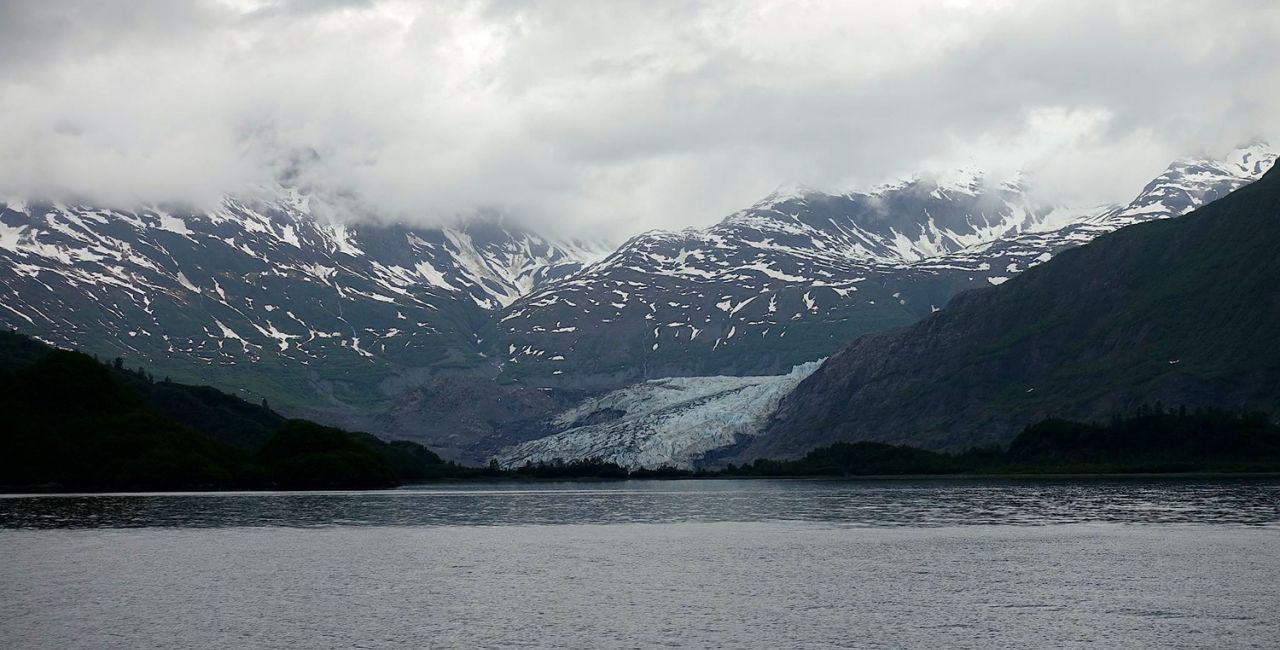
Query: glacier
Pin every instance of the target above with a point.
(673, 421)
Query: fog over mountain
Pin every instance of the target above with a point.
(763, 324)
(581, 117)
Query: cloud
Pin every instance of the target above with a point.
(618, 115)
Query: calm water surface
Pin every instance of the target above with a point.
(733, 564)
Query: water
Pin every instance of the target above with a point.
(734, 564)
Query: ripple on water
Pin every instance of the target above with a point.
(855, 503)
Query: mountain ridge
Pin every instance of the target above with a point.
(406, 330)
(790, 279)
(1183, 311)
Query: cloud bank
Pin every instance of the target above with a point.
(616, 115)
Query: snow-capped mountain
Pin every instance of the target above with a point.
(470, 338)
(263, 285)
(769, 287)
(712, 297)
(796, 275)
(1184, 186)
(1177, 313)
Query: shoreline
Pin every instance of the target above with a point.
(27, 491)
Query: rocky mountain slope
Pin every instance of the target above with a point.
(1184, 186)
(693, 430)
(794, 277)
(263, 295)
(772, 286)
(470, 338)
(1183, 311)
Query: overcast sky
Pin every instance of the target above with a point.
(615, 113)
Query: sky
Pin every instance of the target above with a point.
(616, 116)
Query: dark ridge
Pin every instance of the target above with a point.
(1183, 311)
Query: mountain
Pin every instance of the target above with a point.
(678, 304)
(1182, 311)
(775, 285)
(475, 337)
(800, 273)
(1184, 186)
(263, 294)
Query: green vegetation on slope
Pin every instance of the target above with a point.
(74, 423)
(70, 422)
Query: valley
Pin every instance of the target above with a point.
(484, 340)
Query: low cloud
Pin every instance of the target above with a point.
(620, 115)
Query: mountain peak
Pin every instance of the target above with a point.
(1254, 158)
(786, 192)
(1191, 182)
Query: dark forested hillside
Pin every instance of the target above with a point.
(1184, 311)
(1151, 441)
(72, 422)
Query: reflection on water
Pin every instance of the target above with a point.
(1250, 501)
